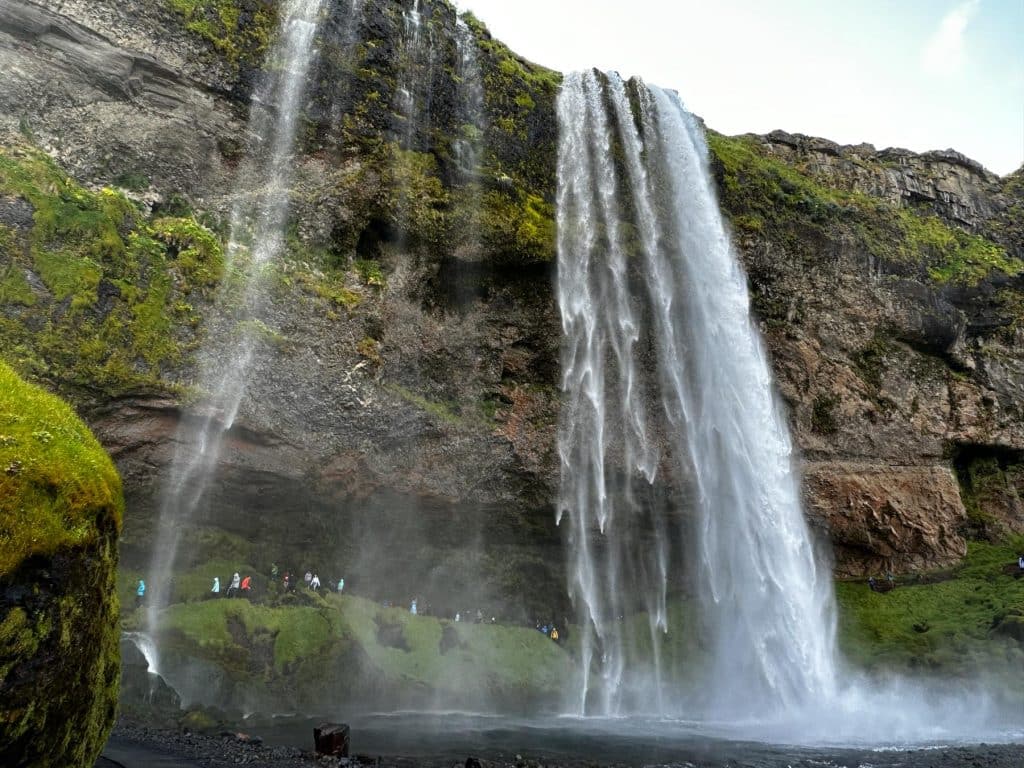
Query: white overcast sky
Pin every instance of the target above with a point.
(920, 74)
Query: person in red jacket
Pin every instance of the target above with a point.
(247, 586)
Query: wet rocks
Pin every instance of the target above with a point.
(332, 739)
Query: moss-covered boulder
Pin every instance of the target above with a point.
(60, 514)
(309, 652)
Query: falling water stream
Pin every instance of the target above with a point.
(665, 377)
(258, 221)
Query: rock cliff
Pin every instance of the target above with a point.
(404, 403)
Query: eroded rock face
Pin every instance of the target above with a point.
(888, 518)
(954, 186)
(110, 90)
(412, 418)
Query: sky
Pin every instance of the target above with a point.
(919, 74)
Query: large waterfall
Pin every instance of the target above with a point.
(258, 221)
(664, 373)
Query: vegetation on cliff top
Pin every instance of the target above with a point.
(97, 297)
(57, 484)
(766, 195)
(60, 511)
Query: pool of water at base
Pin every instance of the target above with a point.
(440, 736)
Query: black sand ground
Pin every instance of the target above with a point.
(139, 747)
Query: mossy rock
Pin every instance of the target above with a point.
(238, 30)
(60, 514)
(765, 195)
(96, 298)
(370, 655)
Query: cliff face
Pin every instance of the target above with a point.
(888, 286)
(403, 407)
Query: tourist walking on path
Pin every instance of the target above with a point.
(341, 585)
(215, 589)
(140, 592)
(308, 578)
(314, 583)
(236, 581)
(247, 585)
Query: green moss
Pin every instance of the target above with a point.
(60, 511)
(285, 645)
(765, 195)
(416, 200)
(14, 287)
(115, 317)
(55, 476)
(517, 226)
(195, 249)
(240, 30)
(870, 362)
(445, 412)
(369, 271)
(951, 626)
(255, 328)
(226, 630)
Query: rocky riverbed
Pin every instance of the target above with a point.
(571, 746)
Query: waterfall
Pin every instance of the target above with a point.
(647, 271)
(414, 92)
(469, 143)
(258, 221)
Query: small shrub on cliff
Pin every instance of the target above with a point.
(823, 415)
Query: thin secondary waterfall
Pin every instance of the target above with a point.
(469, 144)
(415, 85)
(647, 272)
(258, 222)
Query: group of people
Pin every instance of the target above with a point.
(288, 581)
(887, 585)
(550, 630)
(238, 586)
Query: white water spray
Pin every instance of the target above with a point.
(258, 222)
